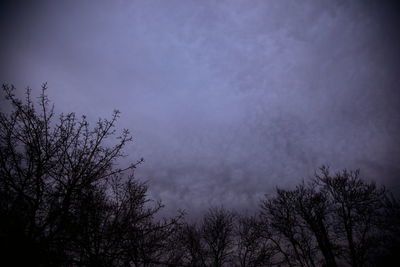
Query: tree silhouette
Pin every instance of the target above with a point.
(287, 230)
(333, 220)
(253, 246)
(192, 247)
(358, 209)
(217, 231)
(64, 200)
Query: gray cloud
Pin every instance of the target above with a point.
(226, 99)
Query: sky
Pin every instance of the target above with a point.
(225, 99)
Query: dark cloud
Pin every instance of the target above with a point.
(226, 99)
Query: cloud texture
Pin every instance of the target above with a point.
(225, 99)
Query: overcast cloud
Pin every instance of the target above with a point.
(225, 99)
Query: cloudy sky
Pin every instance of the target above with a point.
(226, 99)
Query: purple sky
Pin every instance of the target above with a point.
(225, 99)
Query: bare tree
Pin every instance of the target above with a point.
(313, 208)
(253, 247)
(217, 231)
(192, 246)
(332, 220)
(287, 230)
(358, 208)
(64, 200)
